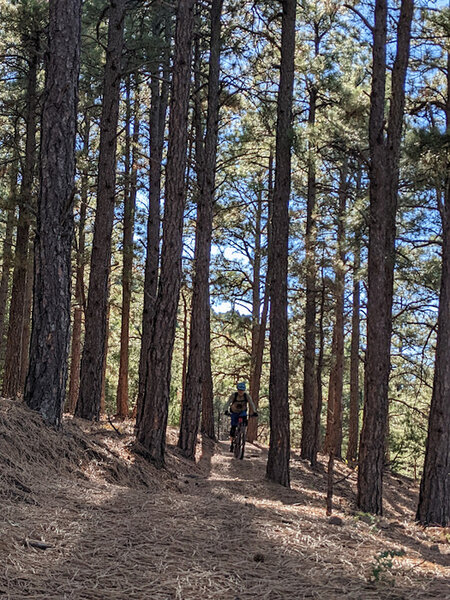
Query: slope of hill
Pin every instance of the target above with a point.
(86, 519)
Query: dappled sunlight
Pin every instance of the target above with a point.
(116, 527)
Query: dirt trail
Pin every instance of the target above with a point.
(214, 530)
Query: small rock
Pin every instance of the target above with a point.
(336, 521)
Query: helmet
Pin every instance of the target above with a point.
(241, 386)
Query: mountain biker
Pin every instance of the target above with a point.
(237, 407)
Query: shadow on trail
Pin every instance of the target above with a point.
(224, 534)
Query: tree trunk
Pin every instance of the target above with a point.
(46, 381)
(7, 253)
(207, 425)
(256, 294)
(279, 448)
(434, 500)
(152, 427)
(89, 399)
(333, 441)
(75, 361)
(384, 176)
(13, 358)
(105, 360)
(26, 332)
(185, 302)
(309, 409)
(318, 411)
(331, 404)
(353, 426)
(128, 249)
(158, 109)
(200, 296)
(255, 375)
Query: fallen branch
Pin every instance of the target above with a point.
(36, 544)
(119, 433)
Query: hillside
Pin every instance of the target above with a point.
(85, 519)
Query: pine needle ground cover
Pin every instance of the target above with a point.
(85, 518)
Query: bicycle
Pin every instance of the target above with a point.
(240, 437)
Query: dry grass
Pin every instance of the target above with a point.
(113, 527)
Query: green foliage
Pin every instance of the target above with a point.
(383, 563)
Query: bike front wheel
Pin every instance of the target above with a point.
(239, 442)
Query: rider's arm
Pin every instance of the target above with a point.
(229, 403)
(251, 403)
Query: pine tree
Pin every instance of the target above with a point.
(195, 376)
(46, 381)
(384, 178)
(152, 425)
(91, 375)
(279, 449)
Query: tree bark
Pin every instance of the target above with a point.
(434, 500)
(207, 423)
(318, 410)
(89, 399)
(151, 433)
(259, 323)
(7, 253)
(384, 177)
(353, 426)
(309, 408)
(47, 374)
(258, 349)
(200, 296)
(158, 108)
(105, 360)
(13, 359)
(185, 303)
(279, 448)
(27, 306)
(75, 360)
(128, 250)
(333, 442)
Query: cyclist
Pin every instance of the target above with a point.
(237, 407)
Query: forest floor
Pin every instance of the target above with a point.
(84, 518)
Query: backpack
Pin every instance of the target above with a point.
(238, 406)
